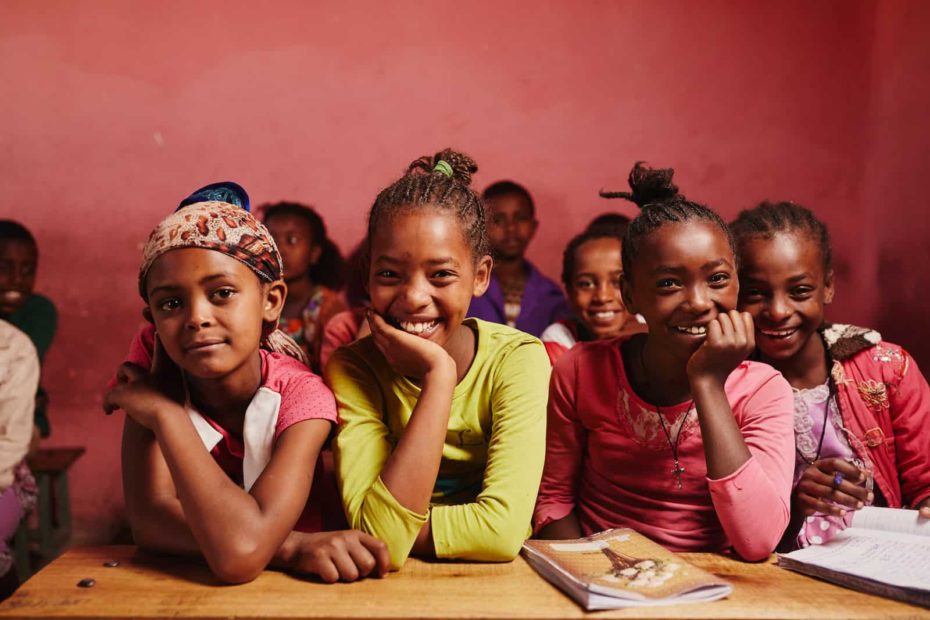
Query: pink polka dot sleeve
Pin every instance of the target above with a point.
(304, 396)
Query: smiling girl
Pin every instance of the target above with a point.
(224, 429)
(671, 432)
(591, 269)
(440, 447)
(862, 407)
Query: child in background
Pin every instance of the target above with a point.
(861, 405)
(223, 431)
(31, 312)
(671, 432)
(591, 269)
(313, 271)
(349, 325)
(440, 446)
(19, 378)
(518, 295)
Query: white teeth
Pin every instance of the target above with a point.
(778, 333)
(605, 315)
(417, 328)
(694, 330)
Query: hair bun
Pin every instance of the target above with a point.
(461, 165)
(648, 185)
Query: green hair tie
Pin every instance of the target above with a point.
(443, 167)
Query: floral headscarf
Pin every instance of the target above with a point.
(230, 230)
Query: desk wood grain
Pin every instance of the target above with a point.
(144, 586)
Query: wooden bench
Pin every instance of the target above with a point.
(53, 509)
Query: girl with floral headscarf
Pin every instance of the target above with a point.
(224, 422)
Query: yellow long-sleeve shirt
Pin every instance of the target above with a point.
(492, 458)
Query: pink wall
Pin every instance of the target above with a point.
(112, 111)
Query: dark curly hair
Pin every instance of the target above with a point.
(329, 269)
(427, 182)
(773, 217)
(654, 193)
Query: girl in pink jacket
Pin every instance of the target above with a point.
(861, 405)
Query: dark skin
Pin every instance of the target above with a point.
(294, 237)
(684, 283)
(208, 310)
(19, 260)
(786, 287)
(423, 273)
(511, 227)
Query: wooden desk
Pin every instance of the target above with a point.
(147, 587)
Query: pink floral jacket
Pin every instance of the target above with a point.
(885, 404)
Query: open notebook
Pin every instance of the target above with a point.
(885, 551)
(621, 568)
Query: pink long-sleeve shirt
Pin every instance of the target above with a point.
(608, 459)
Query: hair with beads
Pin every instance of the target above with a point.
(654, 193)
(329, 269)
(441, 182)
(505, 188)
(592, 233)
(770, 218)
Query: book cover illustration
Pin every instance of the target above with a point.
(622, 562)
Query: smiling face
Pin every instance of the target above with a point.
(423, 274)
(683, 276)
(784, 288)
(18, 261)
(511, 225)
(295, 240)
(594, 291)
(208, 310)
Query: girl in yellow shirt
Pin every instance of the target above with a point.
(442, 437)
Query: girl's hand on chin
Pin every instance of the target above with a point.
(730, 339)
(409, 355)
(137, 395)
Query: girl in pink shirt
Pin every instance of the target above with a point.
(671, 432)
(223, 426)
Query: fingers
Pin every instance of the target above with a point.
(129, 373)
(379, 552)
(109, 402)
(849, 470)
(831, 486)
(344, 556)
(345, 563)
(749, 332)
(726, 326)
(379, 330)
(325, 569)
(924, 512)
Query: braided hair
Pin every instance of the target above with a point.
(441, 182)
(770, 218)
(654, 193)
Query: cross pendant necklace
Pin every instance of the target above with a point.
(678, 469)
